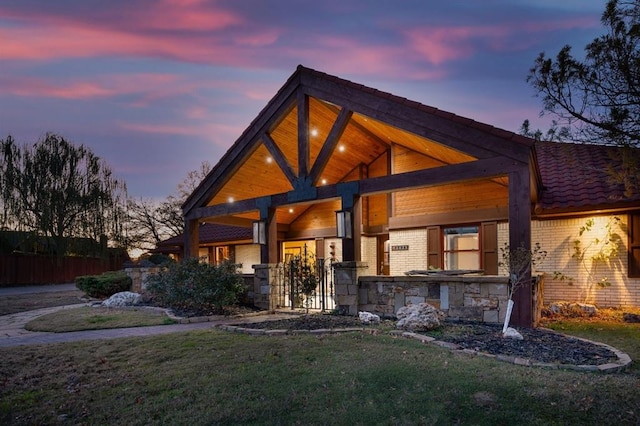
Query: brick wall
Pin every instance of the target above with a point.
(413, 258)
(557, 237)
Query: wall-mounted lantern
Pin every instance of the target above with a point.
(343, 224)
(260, 232)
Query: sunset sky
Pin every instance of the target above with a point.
(155, 87)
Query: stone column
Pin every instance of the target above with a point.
(346, 285)
(265, 282)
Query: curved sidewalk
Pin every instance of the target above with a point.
(12, 332)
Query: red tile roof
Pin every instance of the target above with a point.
(576, 177)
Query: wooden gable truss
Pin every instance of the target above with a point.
(324, 144)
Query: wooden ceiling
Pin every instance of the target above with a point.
(363, 141)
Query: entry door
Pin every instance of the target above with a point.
(383, 254)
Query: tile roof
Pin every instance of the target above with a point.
(575, 177)
(213, 233)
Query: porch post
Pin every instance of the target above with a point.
(520, 236)
(191, 238)
(268, 251)
(351, 202)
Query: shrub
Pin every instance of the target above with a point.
(159, 259)
(196, 288)
(104, 285)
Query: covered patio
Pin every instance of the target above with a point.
(331, 160)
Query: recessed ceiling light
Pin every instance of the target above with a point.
(290, 210)
(324, 181)
(269, 160)
(341, 148)
(230, 199)
(314, 132)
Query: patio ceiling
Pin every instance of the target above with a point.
(363, 141)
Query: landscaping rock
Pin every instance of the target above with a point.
(368, 318)
(512, 333)
(124, 298)
(573, 309)
(420, 317)
(629, 317)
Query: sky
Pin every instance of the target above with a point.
(156, 87)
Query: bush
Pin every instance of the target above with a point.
(159, 259)
(104, 285)
(198, 288)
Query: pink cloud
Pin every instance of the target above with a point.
(439, 45)
(101, 86)
(185, 30)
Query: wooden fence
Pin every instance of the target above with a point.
(29, 269)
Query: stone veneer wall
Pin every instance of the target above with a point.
(139, 274)
(476, 298)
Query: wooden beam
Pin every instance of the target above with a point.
(479, 169)
(303, 134)
(192, 238)
(279, 157)
(279, 107)
(520, 236)
(476, 139)
(486, 168)
(330, 143)
(464, 216)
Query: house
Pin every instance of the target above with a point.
(217, 243)
(381, 185)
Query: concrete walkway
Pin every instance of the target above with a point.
(12, 332)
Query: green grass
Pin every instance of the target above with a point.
(96, 318)
(213, 377)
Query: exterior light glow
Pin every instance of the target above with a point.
(260, 232)
(343, 224)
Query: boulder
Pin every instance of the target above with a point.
(420, 317)
(629, 317)
(573, 309)
(124, 298)
(368, 318)
(512, 333)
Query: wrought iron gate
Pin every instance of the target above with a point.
(305, 282)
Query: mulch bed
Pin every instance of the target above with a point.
(541, 345)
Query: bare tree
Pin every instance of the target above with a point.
(151, 222)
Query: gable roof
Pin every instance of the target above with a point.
(576, 177)
(379, 119)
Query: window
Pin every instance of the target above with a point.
(464, 247)
(634, 245)
(461, 249)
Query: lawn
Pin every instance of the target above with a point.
(96, 318)
(214, 377)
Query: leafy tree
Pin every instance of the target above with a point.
(599, 97)
(597, 100)
(153, 221)
(60, 191)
